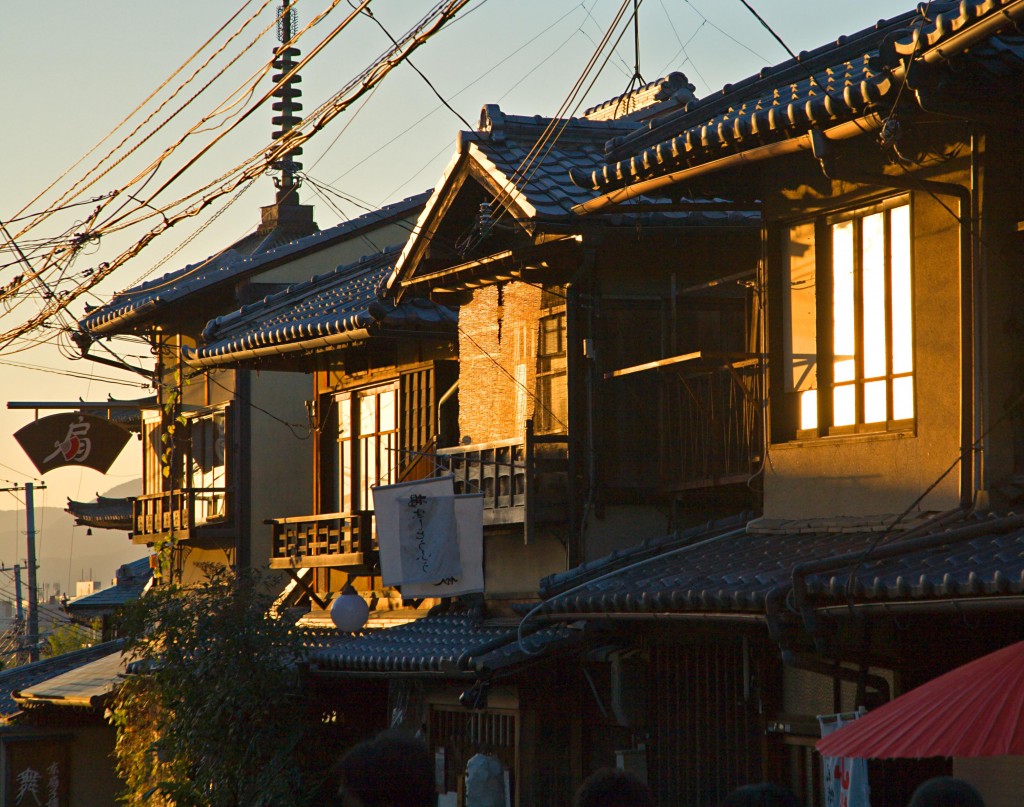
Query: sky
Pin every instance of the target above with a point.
(76, 69)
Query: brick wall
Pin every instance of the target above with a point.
(502, 322)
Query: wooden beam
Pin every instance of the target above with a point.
(340, 561)
(654, 365)
(307, 588)
(733, 360)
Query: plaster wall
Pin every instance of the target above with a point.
(621, 527)
(282, 456)
(883, 473)
(195, 558)
(512, 569)
(996, 778)
(348, 251)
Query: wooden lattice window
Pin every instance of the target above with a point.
(462, 733)
(418, 420)
(552, 410)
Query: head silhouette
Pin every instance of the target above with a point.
(610, 787)
(394, 769)
(763, 794)
(946, 791)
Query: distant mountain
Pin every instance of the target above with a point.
(65, 553)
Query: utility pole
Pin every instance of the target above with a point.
(17, 593)
(20, 623)
(32, 633)
(33, 592)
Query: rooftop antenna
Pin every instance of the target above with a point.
(287, 105)
(637, 78)
(636, 81)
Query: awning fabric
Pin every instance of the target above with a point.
(976, 710)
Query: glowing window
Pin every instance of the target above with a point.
(859, 329)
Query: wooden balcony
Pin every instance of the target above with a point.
(335, 540)
(524, 480)
(697, 422)
(186, 513)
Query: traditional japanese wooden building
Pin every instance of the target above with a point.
(211, 437)
(888, 550)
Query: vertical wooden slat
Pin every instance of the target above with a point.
(706, 737)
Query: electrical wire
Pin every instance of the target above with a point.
(555, 127)
(491, 69)
(276, 148)
(134, 111)
(166, 153)
(418, 35)
(82, 185)
(683, 46)
(69, 373)
(409, 62)
(511, 54)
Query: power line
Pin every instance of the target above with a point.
(354, 89)
(512, 53)
(409, 62)
(137, 108)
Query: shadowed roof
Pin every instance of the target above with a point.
(242, 259)
(454, 645)
(727, 568)
(29, 675)
(340, 306)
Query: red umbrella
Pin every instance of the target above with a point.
(976, 710)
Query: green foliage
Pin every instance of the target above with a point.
(219, 718)
(65, 638)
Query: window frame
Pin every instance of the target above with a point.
(207, 431)
(346, 452)
(825, 335)
(551, 410)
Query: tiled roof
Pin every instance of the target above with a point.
(504, 148)
(835, 83)
(733, 571)
(87, 686)
(534, 182)
(243, 258)
(132, 579)
(342, 305)
(642, 102)
(127, 413)
(28, 675)
(104, 513)
(454, 645)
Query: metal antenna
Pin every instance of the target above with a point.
(287, 105)
(637, 78)
(636, 81)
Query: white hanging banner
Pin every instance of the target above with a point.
(845, 779)
(427, 538)
(469, 523)
(416, 535)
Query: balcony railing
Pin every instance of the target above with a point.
(523, 479)
(336, 540)
(182, 512)
(698, 422)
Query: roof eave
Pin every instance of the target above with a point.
(201, 359)
(430, 217)
(660, 183)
